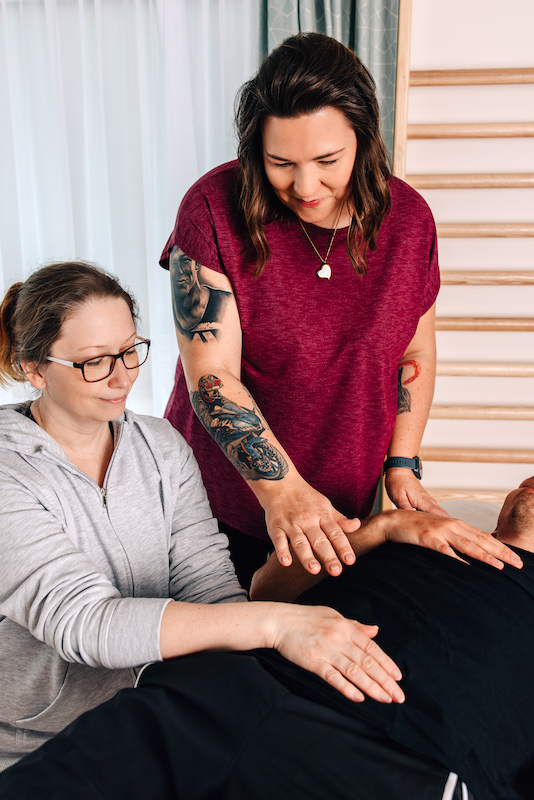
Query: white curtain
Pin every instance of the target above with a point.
(109, 110)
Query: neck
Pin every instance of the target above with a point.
(73, 436)
(524, 539)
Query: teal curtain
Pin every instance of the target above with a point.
(369, 27)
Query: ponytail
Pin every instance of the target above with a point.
(9, 368)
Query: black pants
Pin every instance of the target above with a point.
(217, 726)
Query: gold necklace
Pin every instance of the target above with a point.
(325, 270)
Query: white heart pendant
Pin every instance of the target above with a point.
(324, 272)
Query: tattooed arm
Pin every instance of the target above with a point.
(210, 339)
(416, 378)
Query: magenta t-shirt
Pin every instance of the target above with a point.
(319, 357)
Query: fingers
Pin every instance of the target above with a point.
(485, 547)
(322, 544)
(364, 669)
(281, 547)
(451, 536)
(326, 544)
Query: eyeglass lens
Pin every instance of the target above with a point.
(99, 368)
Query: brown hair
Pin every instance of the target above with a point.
(32, 313)
(305, 73)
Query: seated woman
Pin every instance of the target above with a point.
(109, 554)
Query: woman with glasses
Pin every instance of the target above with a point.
(109, 554)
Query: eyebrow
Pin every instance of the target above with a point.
(103, 346)
(317, 158)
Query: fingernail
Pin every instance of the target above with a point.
(285, 559)
(397, 674)
(313, 565)
(516, 559)
(335, 567)
(349, 558)
(398, 696)
(385, 698)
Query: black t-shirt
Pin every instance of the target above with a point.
(463, 636)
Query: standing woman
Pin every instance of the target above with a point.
(304, 279)
(109, 554)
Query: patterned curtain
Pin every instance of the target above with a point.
(369, 27)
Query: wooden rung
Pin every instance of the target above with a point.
(521, 413)
(487, 278)
(481, 370)
(486, 495)
(470, 77)
(470, 130)
(518, 324)
(502, 180)
(480, 230)
(474, 455)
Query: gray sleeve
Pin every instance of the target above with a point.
(201, 570)
(55, 591)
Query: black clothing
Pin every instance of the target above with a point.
(463, 636)
(217, 726)
(234, 726)
(248, 554)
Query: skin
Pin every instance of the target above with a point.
(308, 160)
(77, 415)
(516, 520)
(443, 534)
(417, 372)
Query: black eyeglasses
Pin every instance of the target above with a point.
(101, 367)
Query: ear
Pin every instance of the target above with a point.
(33, 373)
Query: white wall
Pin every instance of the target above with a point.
(471, 34)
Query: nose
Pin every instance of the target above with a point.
(121, 376)
(305, 182)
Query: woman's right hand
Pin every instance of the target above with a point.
(339, 650)
(297, 514)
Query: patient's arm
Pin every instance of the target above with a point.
(275, 582)
(445, 534)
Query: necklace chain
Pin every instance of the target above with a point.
(324, 265)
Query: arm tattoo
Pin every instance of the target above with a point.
(197, 308)
(237, 430)
(404, 398)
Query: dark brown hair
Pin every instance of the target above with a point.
(305, 73)
(32, 313)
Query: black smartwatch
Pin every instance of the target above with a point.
(410, 463)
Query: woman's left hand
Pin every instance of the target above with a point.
(445, 535)
(405, 490)
(340, 651)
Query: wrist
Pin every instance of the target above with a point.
(404, 462)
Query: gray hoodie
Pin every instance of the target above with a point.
(85, 572)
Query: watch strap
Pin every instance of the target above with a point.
(409, 463)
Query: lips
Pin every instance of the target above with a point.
(115, 400)
(309, 203)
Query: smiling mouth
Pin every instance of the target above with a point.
(309, 203)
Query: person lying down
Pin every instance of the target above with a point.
(254, 725)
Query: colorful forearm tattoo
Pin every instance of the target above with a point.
(237, 430)
(404, 398)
